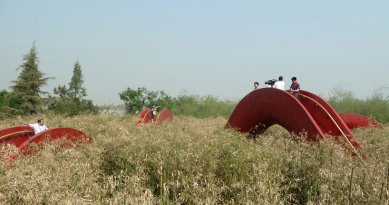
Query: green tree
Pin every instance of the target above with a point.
(71, 100)
(136, 99)
(3, 94)
(76, 89)
(27, 88)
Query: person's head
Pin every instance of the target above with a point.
(40, 121)
(256, 84)
(294, 79)
(280, 78)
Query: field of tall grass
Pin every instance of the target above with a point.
(193, 161)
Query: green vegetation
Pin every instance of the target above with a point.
(25, 97)
(194, 161)
(202, 107)
(70, 101)
(184, 105)
(376, 106)
(136, 99)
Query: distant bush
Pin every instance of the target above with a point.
(201, 107)
(136, 99)
(71, 106)
(70, 100)
(376, 106)
(186, 105)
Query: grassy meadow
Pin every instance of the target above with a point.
(193, 161)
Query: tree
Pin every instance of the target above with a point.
(135, 100)
(3, 95)
(27, 88)
(76, 90)
(71, 100)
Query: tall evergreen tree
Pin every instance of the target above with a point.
(27, 87)
(76, 89)
(70, 100)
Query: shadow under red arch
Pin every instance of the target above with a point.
(308, 114)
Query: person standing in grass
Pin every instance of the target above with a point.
(280, 84)
(295, 87)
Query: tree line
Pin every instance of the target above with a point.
(26, 96)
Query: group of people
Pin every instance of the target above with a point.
(280, 84)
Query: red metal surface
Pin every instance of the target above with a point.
(22, 137)
(70, 134)
(311, 115)
(15, 135)
(145, 116)
(326, 117)
(265, 107)
(354, 120)
(165, 115)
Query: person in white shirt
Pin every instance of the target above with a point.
(153, 113)
(38, 127)
(280, 84)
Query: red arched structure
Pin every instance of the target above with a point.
(145, 116)
(16, 135)
(23, 136)
(307, 114)
(354, 120)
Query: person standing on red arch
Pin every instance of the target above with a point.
(280, 84)
(153, 113)
(294, 87)
(256, 85)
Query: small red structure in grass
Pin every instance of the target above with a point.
(23, 136)
(354, 120)
(145, 117)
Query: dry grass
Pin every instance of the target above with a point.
(194, 161)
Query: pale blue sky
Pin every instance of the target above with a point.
(199, 47)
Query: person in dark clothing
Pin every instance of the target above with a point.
(256, 85)
(294, 87)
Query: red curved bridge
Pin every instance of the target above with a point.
(308, 114)
(23, 136)
(145, 116)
